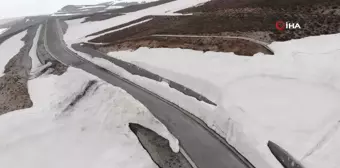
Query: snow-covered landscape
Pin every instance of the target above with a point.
(290, 98)
(78, 120)
(2, 30)
(93, 132)
(74, 35)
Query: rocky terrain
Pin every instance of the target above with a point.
(158, 148)
(316, 17)
(254, 19)
(13, 85)
(14, 93)
(237, 46)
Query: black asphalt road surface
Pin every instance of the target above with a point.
(203, 147)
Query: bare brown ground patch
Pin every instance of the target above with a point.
(13, 93)
(286, 6)
(246, 18)
(242, 24)
(238, 46)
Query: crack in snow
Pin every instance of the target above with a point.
(323, 141)
(81, 94)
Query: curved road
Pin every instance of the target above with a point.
(202, 145)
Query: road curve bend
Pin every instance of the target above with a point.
(202, 145)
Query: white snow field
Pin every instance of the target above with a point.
(3, 30)
(114, 7)
(33, 52)
(291, 98)
(200, 109)
(94, 133)
(74, 35)
(10, 48)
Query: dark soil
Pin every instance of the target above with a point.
(139, 36)
(286, 160)
(237, 46)
(211, 24)
(13, 94)
(286, 6)
(158, 148)
(247, 18)
(316, 17)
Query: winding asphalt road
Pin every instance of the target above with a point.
(202, 145)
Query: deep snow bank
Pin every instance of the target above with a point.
(94, 132)
(290, 98)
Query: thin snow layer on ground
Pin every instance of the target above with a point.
(10, 48)
(33, 52)
(78, 30)
(290, 98)
(94, 133)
